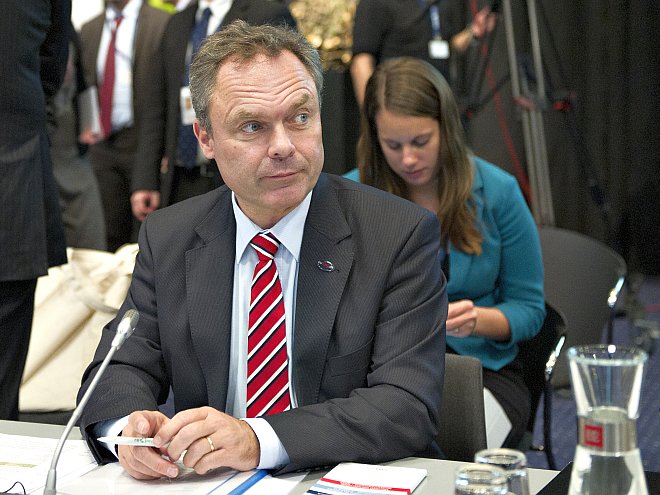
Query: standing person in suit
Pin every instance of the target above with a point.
(34, 41)
(136, 29)
(353, 308)
(412, 144)
(169, 166)
(80, 198)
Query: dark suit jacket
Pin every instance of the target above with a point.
(149, 31)
(369, 337)
(159, 133)
(34, 37)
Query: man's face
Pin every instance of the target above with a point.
(266, 134)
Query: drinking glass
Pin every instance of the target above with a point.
(512, 462)
(480, 479)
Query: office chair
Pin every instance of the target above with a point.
(462, 418)
(538, 357)
(583, 278)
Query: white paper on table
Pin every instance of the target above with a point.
(112, 478)
(362, 479)
(280, 485)
(27, 459)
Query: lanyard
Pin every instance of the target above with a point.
(434, 12)
(435, 21)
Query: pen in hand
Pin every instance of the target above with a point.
(132, 441)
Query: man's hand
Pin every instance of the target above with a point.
(211, 438)
(144, 463)
(461, 318)
(143, 203)
(89, 137)
(483, 23)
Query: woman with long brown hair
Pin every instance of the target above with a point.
(412, 144)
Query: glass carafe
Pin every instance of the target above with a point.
(607, 382)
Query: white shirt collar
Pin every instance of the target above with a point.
(130, 11)
(218, 7)
(289, 230)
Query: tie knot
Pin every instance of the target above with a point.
(206, 14)
(266, 245)
(117, 21)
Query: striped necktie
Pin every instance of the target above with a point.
(267, 362)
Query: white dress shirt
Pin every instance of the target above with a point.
(219, 9)
(289, 231)
(122, 96)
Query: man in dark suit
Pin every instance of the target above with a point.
(160, 177)
(112, 154)
(354, 295)
(34, 37)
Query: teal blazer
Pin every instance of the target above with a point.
(508, 274)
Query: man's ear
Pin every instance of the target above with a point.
(205, 140)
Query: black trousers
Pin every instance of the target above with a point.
(112, 162)
(16, 311)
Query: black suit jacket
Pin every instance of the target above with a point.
(369, 344)
(160, 128)
(34, 45)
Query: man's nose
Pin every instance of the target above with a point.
(280, 144)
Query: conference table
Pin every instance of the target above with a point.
(438, 481)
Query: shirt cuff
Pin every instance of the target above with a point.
(273, 454)
(110, 428)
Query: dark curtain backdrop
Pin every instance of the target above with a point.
(604, 155)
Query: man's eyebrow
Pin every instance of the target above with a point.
(301, 101)
(244, 115)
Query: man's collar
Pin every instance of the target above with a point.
(289, 230)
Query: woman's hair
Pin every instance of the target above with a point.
(413, 87)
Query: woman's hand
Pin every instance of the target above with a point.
(462, 318)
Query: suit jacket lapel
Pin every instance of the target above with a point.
(326, 238)
(209, 287)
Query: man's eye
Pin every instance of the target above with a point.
(251, 127)
(302, 118)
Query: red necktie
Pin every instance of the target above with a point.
(267, 365)
(108, 84)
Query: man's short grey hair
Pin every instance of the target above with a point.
(242, 42)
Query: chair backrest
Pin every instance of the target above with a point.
(581, 275)
(462, 418)
(535, 353)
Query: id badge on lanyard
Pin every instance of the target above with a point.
(438, 48)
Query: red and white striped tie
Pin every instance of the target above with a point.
(267, 365)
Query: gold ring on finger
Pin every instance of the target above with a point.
(208, 439)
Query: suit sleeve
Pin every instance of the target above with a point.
(151, 134)
(55, 48)
(136, 374)
(394, 413)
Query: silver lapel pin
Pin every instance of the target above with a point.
(325, 266)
